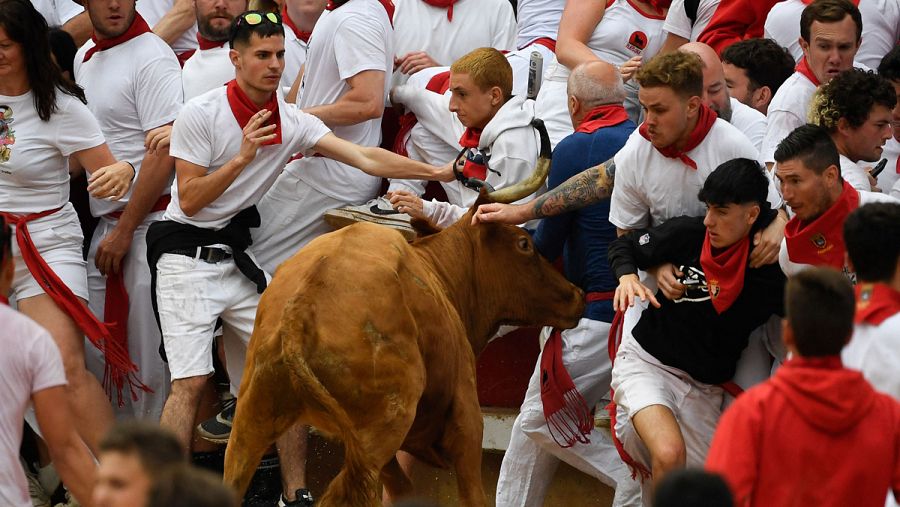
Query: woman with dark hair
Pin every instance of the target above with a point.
(44, 123)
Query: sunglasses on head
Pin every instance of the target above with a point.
(254, 18)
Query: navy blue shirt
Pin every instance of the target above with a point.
(582, 237)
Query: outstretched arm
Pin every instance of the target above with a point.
(585, 188)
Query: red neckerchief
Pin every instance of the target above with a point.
(138, 27)
(724, 271)
(706, 117)
(821, 242)
(803, 68)
(209, 44)
(875, 303)
(387, 4)
(119, 369)
(439, 83)
(472, 169)
(4, 300)
(243, 109)
(304, 36)
(448, 4)
(470, 138)
(606, 115)
(660, 6)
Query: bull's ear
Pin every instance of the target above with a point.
(424, 227)
(483, 198)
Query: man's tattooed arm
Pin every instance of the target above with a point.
(585, 188)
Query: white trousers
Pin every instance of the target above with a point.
(143, 332)
(533, 455)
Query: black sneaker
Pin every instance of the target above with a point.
(217, 429)
(304, 499)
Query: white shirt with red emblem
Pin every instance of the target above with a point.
(678, 23)
(353, 38)
(652, 188)
(881, 28)
(153, 10)
(131, 88)
(787, 110)
(207, 134)
(34, 174)
(206, 69)
(476, 23)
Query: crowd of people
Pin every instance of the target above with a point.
(725, 189)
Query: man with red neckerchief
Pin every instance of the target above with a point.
(808, 168)
(872, 235)
(299, 16)
(830, 33)
(230, 144)
(209, 66)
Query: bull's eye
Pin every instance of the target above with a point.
(524, 245)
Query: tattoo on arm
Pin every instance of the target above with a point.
(585, 188)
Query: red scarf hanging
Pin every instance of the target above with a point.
(875, 303)
(803, 68)
(470, 138)
(205, 43)
(724, 271)
(300, 34)
(706, 117)
(243, 109)
(138, 27)
(118, 368)
(439, 83)
(448, 4)
(606, 115)
(821, 242)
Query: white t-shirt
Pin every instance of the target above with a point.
(295, 51)
(476, 23)
(881, 28)
(131, 88)
(537, 19)
(30, 363)
(678, 22)
(34, 174)
(206, 69)
(207, 134)
(890, 176)
(353, 38)
(788, 110)
(875, 351)
(651, 188)
(57, 12)
(855, 175)
(791, 268)
(153, 10)
(749, 121)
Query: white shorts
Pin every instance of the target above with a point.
(191, 295)
(640, 380)
(59, 240)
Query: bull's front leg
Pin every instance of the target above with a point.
(462, 439)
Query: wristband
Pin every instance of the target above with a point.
(133, 170)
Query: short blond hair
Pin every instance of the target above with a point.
(680, 71)
(487, 68)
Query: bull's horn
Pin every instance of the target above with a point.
(533, 182)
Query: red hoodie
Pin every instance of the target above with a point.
(814, 434)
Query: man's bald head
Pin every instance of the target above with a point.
(595, 84)
(715, 92)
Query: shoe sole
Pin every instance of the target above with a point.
(216, 439)
(340, 218)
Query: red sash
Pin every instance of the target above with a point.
(724, 271)
(821, 242)
(439, 83)
(300, 34)
(705, 119)
(138, 27)
(875, 303)
(243, 109)
(606, 115)
(569, 419)
(448, 4)
(118, 368)
(803, 68)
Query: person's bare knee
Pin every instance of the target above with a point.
(658, 429)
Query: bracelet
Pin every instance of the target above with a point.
(133, 170)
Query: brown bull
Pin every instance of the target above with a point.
(373, 340)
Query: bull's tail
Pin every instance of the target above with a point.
(356, 484)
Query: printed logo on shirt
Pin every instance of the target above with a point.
(637, 43)
(7, 134)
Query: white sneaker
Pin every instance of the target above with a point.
(377, 211)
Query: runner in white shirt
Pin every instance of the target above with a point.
(133, 84)
(431, 33)
(880, 19)
(855, 108)
(44, 122)
(173, 21)
(32, 373)
(300, 16)
(754, 71)
(686, 20)
(537, 19)
(889, 178)
(830, 31)
(620, 34)
(210, 67)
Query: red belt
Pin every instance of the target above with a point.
(118, 368)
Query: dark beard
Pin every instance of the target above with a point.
(208, 31)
